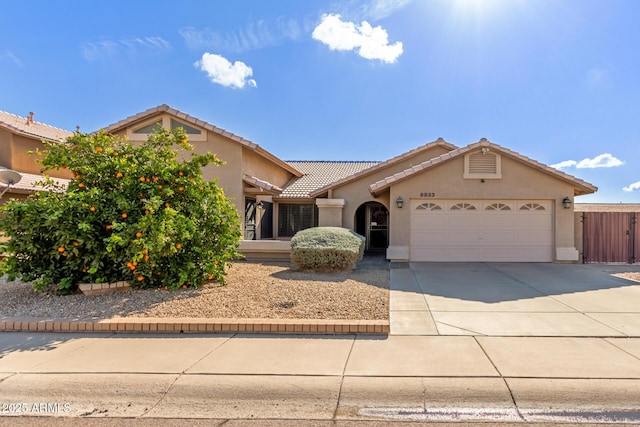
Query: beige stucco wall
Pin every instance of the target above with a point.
(578, 234)
(14, 154)
(519, 182)
(6, 148)
(238, 159)
(356, 192)
(330, 212)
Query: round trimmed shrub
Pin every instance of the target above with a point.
(326, 249)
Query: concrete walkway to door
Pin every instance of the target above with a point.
(514, 299)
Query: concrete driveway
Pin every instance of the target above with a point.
(514, 299)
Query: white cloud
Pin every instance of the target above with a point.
(255, 35)
(221, 71)
(564, 164)
(632, 187)
(370, 42)
(605, 160)
(596, 76)
(8, 56)
(107, 48)
(380, 9)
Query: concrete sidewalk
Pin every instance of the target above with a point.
(318, 377)
(506, 368)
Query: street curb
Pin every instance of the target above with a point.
(196, 325)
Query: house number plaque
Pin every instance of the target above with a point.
(427, 194)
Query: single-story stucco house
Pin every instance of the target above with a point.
(438, 202)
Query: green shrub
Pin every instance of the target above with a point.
(131, 213)
(326, 249)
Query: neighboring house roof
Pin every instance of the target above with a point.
(580, 187)
(321, 174)
(164, 108)
(262, 184)
(29, 127)
(28, 184)
(381, 165)
(607, 207)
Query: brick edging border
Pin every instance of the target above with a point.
(196, 326)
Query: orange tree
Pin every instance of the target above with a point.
(141, 213)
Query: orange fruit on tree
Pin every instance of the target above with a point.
(140, 278)
(180, 188)
(119, 175)
(180, 173)
(138, 234)
(92, 208)
(147, 212)
(159, 187)
(142, 179)
(80, 185)
(124, 216)
(99, 149)
(178, 246)
(61, 249)
(108, 227)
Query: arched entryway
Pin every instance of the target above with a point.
(372, 221)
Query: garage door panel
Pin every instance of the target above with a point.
(494, 231)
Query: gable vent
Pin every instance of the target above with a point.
(482, 164)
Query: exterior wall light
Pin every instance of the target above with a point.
(399, 202)
(566, 203)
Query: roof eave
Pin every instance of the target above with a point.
(164, 108)
(439, 142)
(580, 187)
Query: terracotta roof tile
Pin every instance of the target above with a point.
(318, 174)
(262, 184)
(439, 142)
(28, 184)
(34, 129)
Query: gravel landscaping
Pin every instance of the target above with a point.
(254, 290)
(631, 276)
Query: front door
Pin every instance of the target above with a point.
(377, 227)
(249, 218)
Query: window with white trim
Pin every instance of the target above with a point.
(429, 207)
(463, 207)
(498, 207)
(532, 207)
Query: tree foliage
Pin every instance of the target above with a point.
(141, 213)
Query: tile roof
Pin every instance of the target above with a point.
(164, 108)
(439, 142)
(581, 187)
(31, 128)
(318, 174)
(262, 184)
(28, 184)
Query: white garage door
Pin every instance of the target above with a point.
(481, 230)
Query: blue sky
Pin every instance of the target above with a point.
(555, 80)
